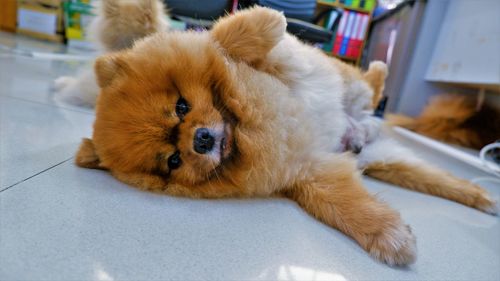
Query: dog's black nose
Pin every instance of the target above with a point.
(203, 141)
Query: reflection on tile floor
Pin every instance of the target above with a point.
(60, 222)
(36, 136)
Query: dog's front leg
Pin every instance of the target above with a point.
(333, 193)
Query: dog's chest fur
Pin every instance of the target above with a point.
(287, 125)
(316, 84)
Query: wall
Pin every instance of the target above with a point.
(415, 91)
(468, 47)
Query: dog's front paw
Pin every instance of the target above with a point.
(63, 82)
(395, 246)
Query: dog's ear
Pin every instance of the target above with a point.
(108, 67)
(86, 156)
(250, 34)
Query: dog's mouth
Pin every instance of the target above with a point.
(225, 151)
(226, 142)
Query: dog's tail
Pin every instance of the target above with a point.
(375, 76)
(443, 112)
(401, 121)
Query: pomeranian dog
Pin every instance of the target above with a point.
(117, 25)
(454, 119)
(247, 110)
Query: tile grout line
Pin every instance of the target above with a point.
(50, 105)
(30, 177)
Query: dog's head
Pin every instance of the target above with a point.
(162, 112)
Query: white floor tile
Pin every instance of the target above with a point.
(72, 223)
(35, 137)
(32, 79)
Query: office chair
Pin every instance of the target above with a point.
(301, 19)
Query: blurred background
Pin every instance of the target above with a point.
(431, 46)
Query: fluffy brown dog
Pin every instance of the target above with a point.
(247, 110)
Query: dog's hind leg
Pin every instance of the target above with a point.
(332, 192)
(388, 161)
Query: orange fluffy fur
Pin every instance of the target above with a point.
(454, 119)
(232, 79)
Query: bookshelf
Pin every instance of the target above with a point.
(338, 4)
(352, 30)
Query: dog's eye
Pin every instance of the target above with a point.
(174, 161)
(182, 107)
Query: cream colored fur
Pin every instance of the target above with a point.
(334, 94)
(117, 25)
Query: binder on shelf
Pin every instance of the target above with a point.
(351, 45)
(362, 4)
(347, 34)
(328, 24)
(364, 27)
(340, 33)
(369, 5)
(324, 22)
(332, 16)
(358, 37)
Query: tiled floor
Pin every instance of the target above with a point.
(60, 222)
